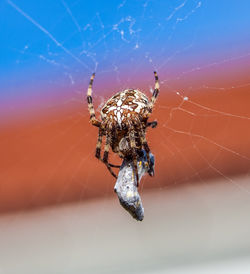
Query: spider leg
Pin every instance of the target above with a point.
(93, 120)
(99, 144)
(98, 148)
(105, 155)
(115, 166)
(134, 154)
(152, 124)
(147, 149)
(155, 93)
(113, 133)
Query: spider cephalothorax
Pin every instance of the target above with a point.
(124, 122)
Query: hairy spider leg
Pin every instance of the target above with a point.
(155, 93)
(147, 149)
(152, 124)
(99, 144)
(93, 120)
(98, 148)
(113, 133)
(106, 153)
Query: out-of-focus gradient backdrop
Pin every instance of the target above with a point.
(57, 197)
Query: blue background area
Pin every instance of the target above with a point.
(121, 38)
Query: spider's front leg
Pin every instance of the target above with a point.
(93, 120)
(99, 144)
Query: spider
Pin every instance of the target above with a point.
(124, 119)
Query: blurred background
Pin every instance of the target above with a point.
(58, 211)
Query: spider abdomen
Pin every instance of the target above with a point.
(124, 108)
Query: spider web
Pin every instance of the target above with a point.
(110, 47)
(202, 131)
